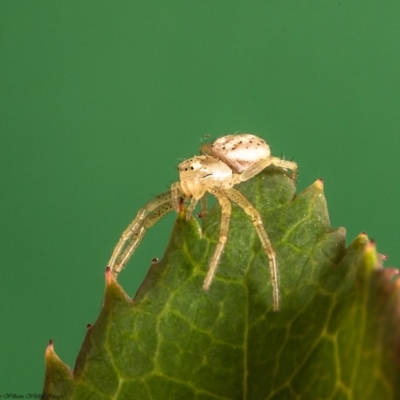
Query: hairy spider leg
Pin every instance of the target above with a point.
(146, 217)
(226, 209)
(176, 195)
(238, 198)
(286, 164)
(262, 164)
(203, 206)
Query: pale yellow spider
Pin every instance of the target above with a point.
(224, 163)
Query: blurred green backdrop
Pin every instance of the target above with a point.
(100, 100)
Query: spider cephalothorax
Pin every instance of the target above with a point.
(224, 163)
(202, 172)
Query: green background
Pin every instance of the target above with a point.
(99, 101)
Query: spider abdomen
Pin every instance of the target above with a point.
(240, 152)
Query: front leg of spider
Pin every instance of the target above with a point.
(130, 239)
(178, 196)
(226, 209)
(256, 219)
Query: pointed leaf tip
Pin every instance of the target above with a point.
(49, 348)
(113, 289)
(362, 238)
(319, 183)
(372, 261)
(58, 380)
(109, 276)
(371, 246)
(50, 354)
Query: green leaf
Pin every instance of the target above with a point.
(336, 335)
(59, 380)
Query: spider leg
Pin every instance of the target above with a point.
(130, 239)
(256, 219)
(177, 194)
(286, 164)
(262, 164)
(226, 208)
(190, 209)
(203, 206)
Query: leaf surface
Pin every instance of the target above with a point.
(336, 335)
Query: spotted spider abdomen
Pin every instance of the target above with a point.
(240, 152)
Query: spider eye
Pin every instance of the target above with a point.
(192, 168)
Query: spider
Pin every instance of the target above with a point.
(222, 164)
